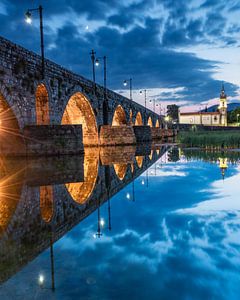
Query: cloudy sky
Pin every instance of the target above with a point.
(179, 50)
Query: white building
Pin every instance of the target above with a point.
(218, 118)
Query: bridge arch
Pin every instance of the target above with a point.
(138, 120)
(42, 105)
(119, 116)
(79, 111)
(150, 122)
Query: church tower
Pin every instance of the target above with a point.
(223, 107)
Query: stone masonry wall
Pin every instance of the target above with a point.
(142, 133)
(53, 140)
(117, 135)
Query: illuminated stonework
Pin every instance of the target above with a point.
(138, 121)
(150, 123)
(120, 170)
(119, 117)
(81, 191)
(10, 136)
(117, 155)
(46, 202)
(139, 160)
(10, 193)
(79, 111)
(42, 106)
(157, 124)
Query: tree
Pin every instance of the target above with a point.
(172, 112)
(234, 116)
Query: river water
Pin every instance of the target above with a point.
(121, 223)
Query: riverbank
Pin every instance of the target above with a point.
(210, 139)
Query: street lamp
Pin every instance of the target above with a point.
(28, 19)
(125, 83)
(92, 54)
(105, 104)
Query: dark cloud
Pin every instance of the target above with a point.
(137, 43)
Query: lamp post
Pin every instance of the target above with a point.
(145, 98)
(145, 102)
(125, 83)
(160, 109)
(105, 103)
(92, 54)
(28, 18)
(154, 102)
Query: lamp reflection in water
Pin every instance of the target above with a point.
(100, 223)
(41, 277)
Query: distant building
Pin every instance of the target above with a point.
(218, 118)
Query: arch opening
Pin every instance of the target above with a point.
(42, 105)
(120, 170)
(150, 123)
(138, 121)
(157, 124)
(46, 203)
(79, 111)
(10, 135)
(151, 155)
(11, 177)
(119, 117)
(81, 191)
(139, 160)
(130, 117)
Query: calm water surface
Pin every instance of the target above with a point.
(162, 225)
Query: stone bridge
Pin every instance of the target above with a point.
(65, 98)
(50, 196)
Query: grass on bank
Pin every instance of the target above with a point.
(210, 139)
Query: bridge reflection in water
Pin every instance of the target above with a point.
(41, 199)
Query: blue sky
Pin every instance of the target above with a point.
(180, 50)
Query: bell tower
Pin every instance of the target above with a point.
(223, 107)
